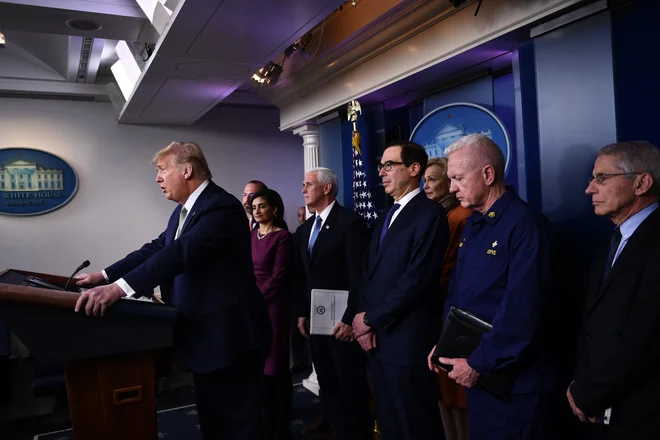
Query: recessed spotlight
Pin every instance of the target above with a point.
(81, 24)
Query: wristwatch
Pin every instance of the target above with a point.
(365, 320)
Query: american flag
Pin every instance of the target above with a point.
(363, 203)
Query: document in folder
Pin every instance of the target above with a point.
(327, 309)
(460, 336)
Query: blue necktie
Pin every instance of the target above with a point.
(388, 219)
(315, 233)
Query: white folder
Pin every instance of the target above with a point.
(327, 309)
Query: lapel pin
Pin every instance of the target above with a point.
(327, 227)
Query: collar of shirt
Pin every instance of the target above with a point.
(326, 212)
(403, 202)
(194, 196)
(496, 210)
(324, 216)
(407, 198)
(628, 227)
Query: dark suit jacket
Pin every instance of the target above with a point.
(399, 284)
(618, 359)
(336, 260)
(207, 274)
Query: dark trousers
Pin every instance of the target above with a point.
(406, 402)
(521, 417)
(300, 351)
(341, 370)
(278, 391)
(229, 400)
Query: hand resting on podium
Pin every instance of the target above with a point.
(88, 279)
(96, 300)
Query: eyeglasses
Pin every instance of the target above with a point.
(601, 177)
(388, 165)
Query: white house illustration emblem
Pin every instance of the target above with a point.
(23, 175)
(445, 125)
(447, 135)
(34, 182)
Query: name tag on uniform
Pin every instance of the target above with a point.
(492, 251)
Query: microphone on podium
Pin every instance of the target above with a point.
(78, 269)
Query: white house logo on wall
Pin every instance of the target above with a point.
(34, 182)
(446, 124)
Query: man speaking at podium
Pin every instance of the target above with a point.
(203, 265)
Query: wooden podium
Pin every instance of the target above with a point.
(108, 361)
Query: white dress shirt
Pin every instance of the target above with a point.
(628, 227)
(324, 216)
(403, 202)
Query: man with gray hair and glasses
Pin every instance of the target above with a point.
(617, 377)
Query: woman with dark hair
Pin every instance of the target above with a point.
(272, 254)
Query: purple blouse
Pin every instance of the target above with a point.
(272, 258)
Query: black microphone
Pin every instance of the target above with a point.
(78, 269)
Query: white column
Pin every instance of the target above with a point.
(310, 135)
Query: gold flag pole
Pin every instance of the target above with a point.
(353, 110)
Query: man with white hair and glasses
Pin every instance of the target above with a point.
(617, 377)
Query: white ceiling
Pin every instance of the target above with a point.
(43, 55)
(208, 50)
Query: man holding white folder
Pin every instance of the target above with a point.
(330, 249)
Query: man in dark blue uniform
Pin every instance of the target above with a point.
(502, 276)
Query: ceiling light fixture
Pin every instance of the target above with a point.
(269, 74)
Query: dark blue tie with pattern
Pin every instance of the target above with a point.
(388, 219)
(615, 240)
